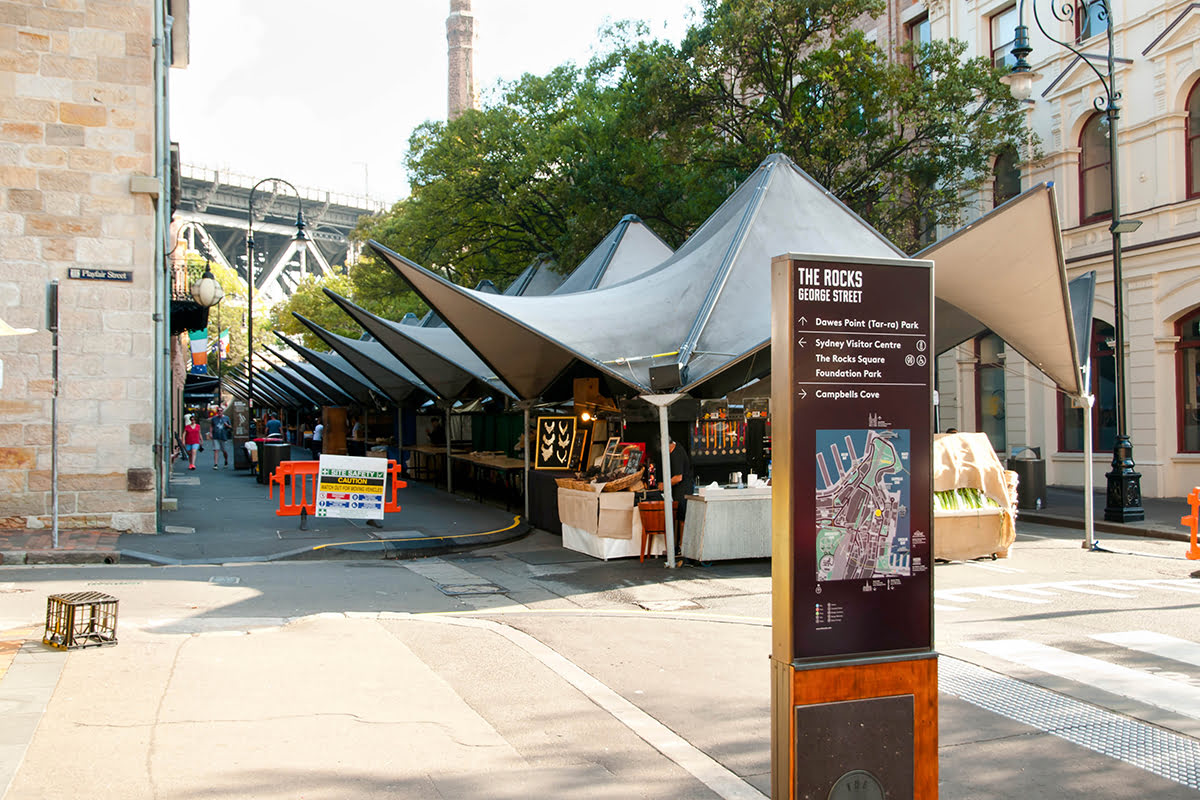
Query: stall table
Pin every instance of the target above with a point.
(485, 471)
(429, 461)
(723, 524)
(601, 524)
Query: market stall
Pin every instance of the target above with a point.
(728, 523)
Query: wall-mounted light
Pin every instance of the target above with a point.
(585, 417)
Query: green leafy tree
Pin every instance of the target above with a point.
(902, 142)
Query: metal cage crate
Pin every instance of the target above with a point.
(80, 619)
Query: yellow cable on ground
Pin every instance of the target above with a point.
(516, 522)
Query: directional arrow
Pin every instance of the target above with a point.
(803, 394)
(803, 320)
(801, 342)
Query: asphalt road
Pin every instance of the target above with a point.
(526, 670)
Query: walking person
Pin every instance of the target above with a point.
(318, 432)
(191, 439)
(221, 434)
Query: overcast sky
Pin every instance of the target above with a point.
(325, 94)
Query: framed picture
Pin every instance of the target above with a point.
(555, 442)
(612, 455)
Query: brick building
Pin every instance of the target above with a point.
(84, 152)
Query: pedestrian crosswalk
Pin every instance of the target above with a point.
(1150, 672)
(1135, 684)
(951, 600)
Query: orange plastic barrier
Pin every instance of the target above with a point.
(302, 478)
(1191, 521)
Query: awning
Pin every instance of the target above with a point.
(442, 361)
(330, 369)
(702, 309)
(1006, 271)
(374, 361)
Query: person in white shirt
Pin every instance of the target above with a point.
(316, 441)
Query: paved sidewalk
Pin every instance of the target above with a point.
(1064, 509)
(226, 515)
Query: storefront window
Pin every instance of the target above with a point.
(1104, 412)
(1187, 365)
(1091, 19)
(989, 390)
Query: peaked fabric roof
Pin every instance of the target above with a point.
(294, 379)
(536, 280)
(703, 308)
(437, 356)
(627, 251)
(374, 361)
(1006, 270)
(333, 370)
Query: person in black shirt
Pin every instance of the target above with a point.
(682, 484)
(437, 432)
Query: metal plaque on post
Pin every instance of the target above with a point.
(852, 370)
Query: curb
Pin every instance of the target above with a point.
(19, 557)
(1103, 526)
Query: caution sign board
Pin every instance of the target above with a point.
(348, 486)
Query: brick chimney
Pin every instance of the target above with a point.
(460, 36)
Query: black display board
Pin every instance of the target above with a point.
(862, 417)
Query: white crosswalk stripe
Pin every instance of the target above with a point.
(1021, 593)
(1155, 644)
(1136, 684)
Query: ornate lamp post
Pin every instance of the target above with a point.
(300, 236)
(1124, 495)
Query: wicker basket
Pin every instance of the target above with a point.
(623, 483)
(571, 483)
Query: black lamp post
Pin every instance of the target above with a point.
(299, 237)
(1124, 495)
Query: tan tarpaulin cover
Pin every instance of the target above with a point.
(1007, 271)
(967, 461)
(610, 515)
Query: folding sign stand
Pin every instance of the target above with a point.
(854, 674)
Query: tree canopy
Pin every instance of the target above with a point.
(666, 132)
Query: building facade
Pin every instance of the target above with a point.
(84, 201)
(986, 388)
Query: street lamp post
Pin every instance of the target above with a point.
(299, 237)
(1124, 494)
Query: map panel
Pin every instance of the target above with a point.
(862, 503)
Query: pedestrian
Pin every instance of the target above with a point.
(221, 433)
(437, 432)
(274, 426)
(191, 439)
(318, 433)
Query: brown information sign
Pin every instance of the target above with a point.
(862, 416)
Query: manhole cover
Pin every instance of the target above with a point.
(668, 605)
(225, 580)
(458, 590)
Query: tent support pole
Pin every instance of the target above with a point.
(664, 401)
(1089, 515)
(449, 466)
(525, 484)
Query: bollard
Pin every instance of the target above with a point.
(303, 518)
(1191, 521)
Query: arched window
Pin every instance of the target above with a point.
(989, 390)
(1006, 176)
(1095, 185)
(1187, 381)
(1193, 142)
(1103, 388)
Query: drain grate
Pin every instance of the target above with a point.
(225, 580)
(462, 589)
(1168, 755)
